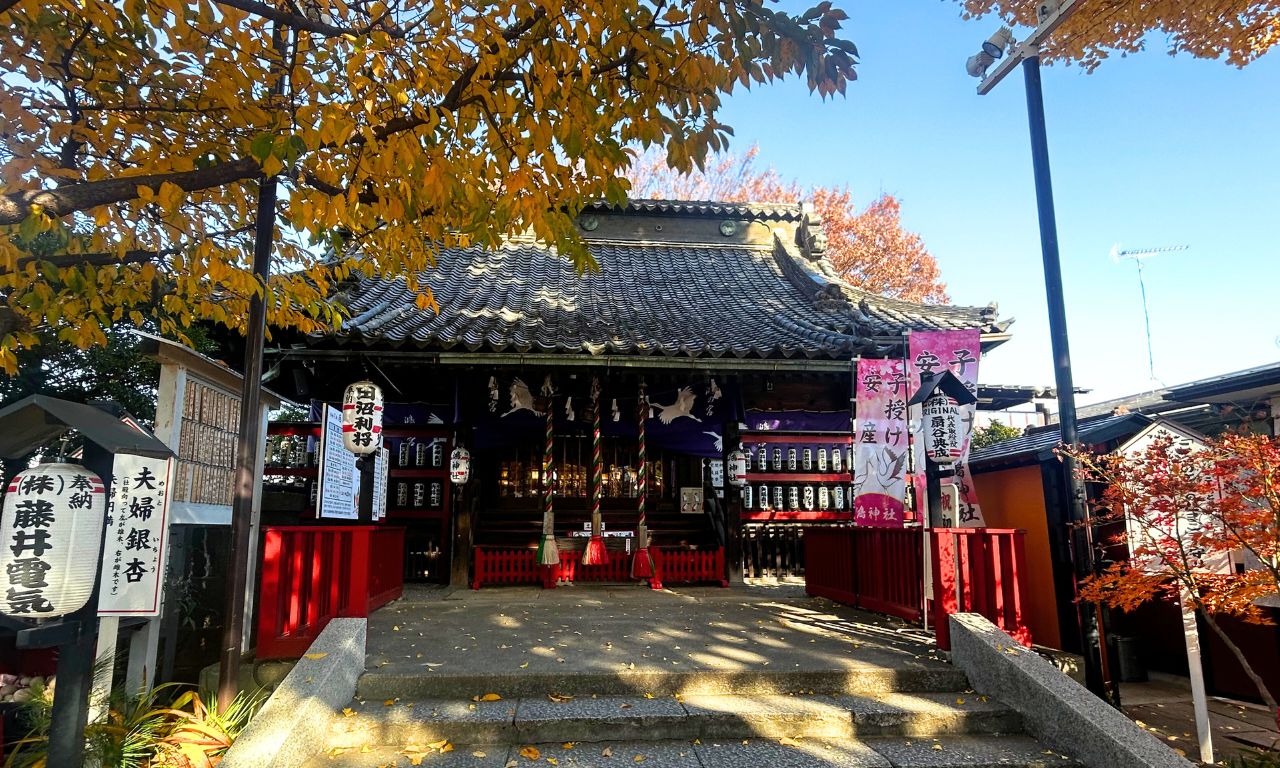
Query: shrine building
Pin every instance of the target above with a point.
(708, 326)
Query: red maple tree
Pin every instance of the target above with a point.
(869, 247)
(1191, 512)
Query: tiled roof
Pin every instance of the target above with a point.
(668, 295)
(1038, 443)
(753, 210)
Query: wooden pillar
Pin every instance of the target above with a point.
(732, 506)
(364, 476)
(460, 567)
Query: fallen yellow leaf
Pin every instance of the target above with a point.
(559, 698)
(479, 753)
(553, 761)
(648, 695)
(787, 741)
(415, 754)
(960, 701)
(638, 759)
(314, 656)
(569, 745)
(606, 752)
(937, 747)
(530, 753)
(487, 697)
(389, 702)
(348, 712)
(441, 746)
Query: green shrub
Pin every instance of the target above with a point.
(166, 727)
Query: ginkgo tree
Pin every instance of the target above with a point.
(135, 134)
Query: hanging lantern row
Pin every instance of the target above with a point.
(362, 418)
(460, 465)
(51, 540)
(941, 423)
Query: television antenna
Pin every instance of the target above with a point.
(1137, 256)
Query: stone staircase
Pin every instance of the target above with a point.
(909, 716)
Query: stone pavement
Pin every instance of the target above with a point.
(703, 637)
(706, 677)
(1163, 707)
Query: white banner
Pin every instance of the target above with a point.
(381, 464)
(339, 496)
(137, 540)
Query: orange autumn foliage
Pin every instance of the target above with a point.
(1237, 31)
(1191, 512)
(869, 247)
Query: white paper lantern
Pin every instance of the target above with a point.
(50, 540)
(941, 425)
(362, 418)
(737, 474)
(460, 465)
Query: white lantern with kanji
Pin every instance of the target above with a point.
(941, 424)
(737, 468)
(460, 465)
(362, 418)
(51, 532)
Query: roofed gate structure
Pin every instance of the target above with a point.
(618, 392)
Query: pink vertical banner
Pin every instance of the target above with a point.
(932, 352)
(880, 458)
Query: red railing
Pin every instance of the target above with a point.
(677, 565)
(505, 565)
(512, 565)
(979, 570)
(311, 574)
(879, 569)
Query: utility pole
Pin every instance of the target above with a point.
(1098, 669)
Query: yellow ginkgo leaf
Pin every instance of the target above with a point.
(315, 656)
(487, 697)
(530, 753)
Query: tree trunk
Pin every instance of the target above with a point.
(1244, 664)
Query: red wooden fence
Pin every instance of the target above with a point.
(878, 569)
(881, 570)
(311, 574)
(979, 570)
(513, 565)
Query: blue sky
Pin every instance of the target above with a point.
(1149, 150)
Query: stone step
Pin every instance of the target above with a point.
(945, 752)
(907, 676)
(612, 718)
